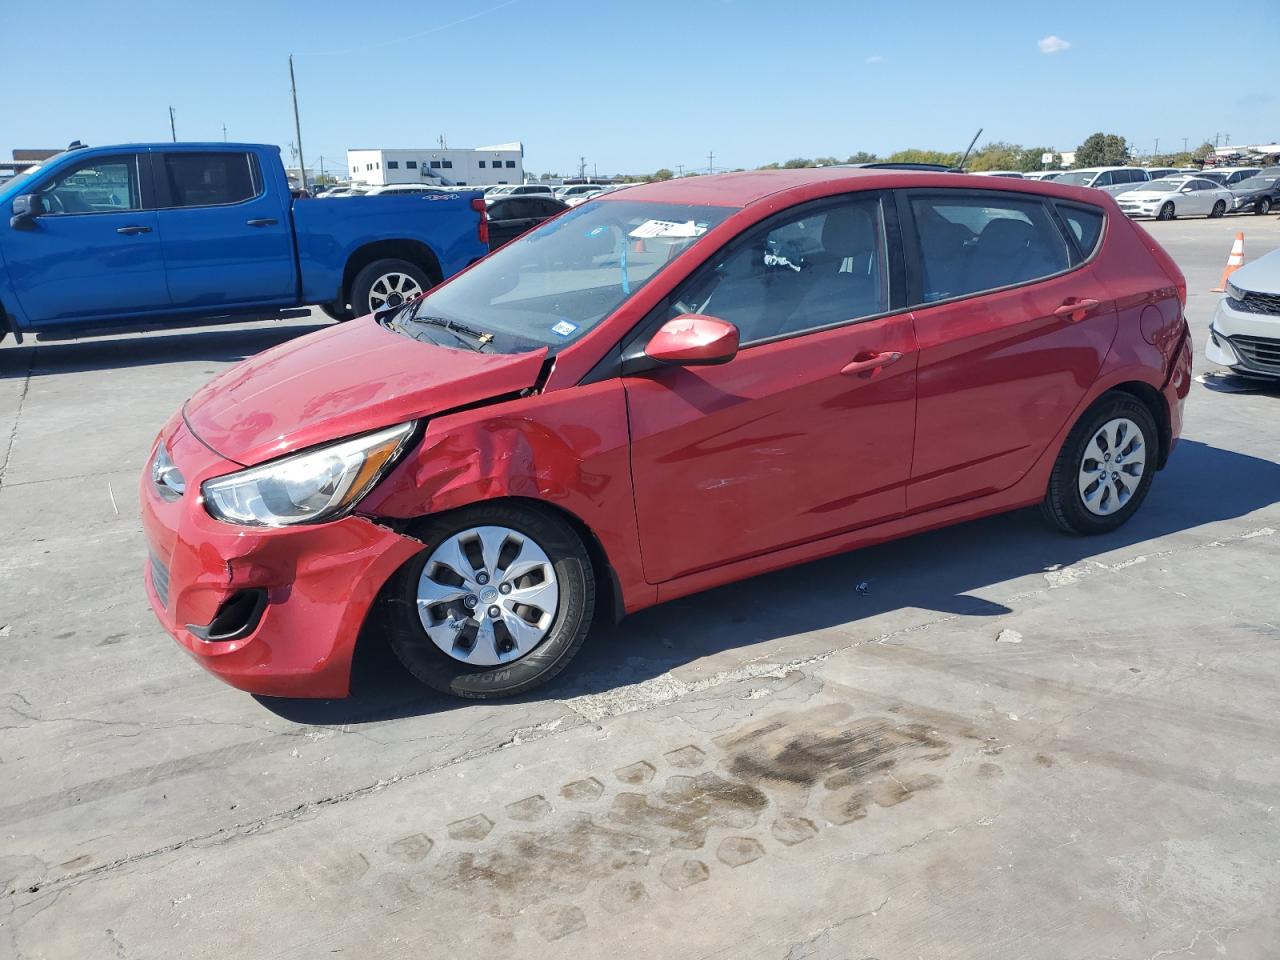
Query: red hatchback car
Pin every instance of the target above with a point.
(657, 392)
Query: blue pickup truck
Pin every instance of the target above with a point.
(105, 239)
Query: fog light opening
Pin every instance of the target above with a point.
(237, 617)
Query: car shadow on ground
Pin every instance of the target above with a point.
(218, 345)
(937, 571)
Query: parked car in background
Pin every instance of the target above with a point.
(1043, 174)
(1155, 173)
(521, 190)
(576, 193)
(511, 216)
(669, 388)
(138, 236)
(1245, 332)
(1181, 196)
(402, 189)
(1009, 174)
(1112, 180)
(1259, 193)
(1229, 176)
(351, 190)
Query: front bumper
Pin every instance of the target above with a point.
(319, 583)
(1247, 342)
(1141, 209)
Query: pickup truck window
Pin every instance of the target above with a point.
(211, 179)
(99, 185)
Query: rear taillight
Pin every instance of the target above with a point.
(482, 231)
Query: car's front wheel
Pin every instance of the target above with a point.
(1105, 468)
(1166, 212)
(497, 603)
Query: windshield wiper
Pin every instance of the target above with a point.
(460, 331)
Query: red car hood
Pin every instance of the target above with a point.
(342, 381)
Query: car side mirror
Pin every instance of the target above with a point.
(1185, 190)
(24, 211)
(693, 339)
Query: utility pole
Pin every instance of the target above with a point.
(1184, 144)
(679, 169)
(1157, 153)
(711, 162)
(173, 130)
(224, 133)
(297, 128)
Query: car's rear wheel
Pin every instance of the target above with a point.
(497, 603)
(1105, 468)
(1218, 210)
(388, 283)
(1166, 212)
(1263, 206)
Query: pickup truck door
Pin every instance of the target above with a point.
(225, 229)
(93, 250)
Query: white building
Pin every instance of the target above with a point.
(500, 163)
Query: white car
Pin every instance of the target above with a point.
(1245, 332)
(578, 192)
(394, 189)
(520, 190)
(1112, 180)
(1043, 174)
(1181, 196)
(1011, 174)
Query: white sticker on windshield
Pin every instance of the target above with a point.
(564, 328)
(667, 228)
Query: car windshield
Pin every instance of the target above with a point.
(1078, 178)
(555, 283)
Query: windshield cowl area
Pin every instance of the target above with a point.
(552, 285)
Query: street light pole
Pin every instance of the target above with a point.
(297, 128)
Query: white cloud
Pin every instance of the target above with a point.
(1053, 44)
(876, 59)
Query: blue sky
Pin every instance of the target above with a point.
(637, 86)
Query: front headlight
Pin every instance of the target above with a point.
(310, 487)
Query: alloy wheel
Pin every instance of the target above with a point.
(1166, 212)
(392, 290)
(1112, 466)
(488, 595)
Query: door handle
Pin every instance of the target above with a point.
(263, 222)
(132, 230)
(865, 364)
(1075, 310)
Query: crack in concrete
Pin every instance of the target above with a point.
(17, 417)
(806, 948)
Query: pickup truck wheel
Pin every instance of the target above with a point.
(385, 284)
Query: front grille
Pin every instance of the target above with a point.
(1258, 352)
(160, 580)
(1253, 302)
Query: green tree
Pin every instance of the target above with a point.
(825, 161)
(1030, 159)
(1102, 150)
(862, 157)
(663, 174)
(995, 156)
(914, 155)
(797, 163)
(1204, 151)
(771, 166)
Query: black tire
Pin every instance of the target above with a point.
(1166, 212)
(335, 311)
(1262, 207)
(1218, 210)
(1063, 505)
(568, 631)
(362, 285)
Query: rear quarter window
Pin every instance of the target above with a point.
(1085, 224)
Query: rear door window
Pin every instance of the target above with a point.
(967, 243)
(1085, 224)
(210, 179)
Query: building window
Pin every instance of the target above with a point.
(481, 164)
(355, 169)
(378, 165)
(393, 164)
(435, 164)
(411, 164)
(511, 164)
(368, 166)
(462, 183)
(447, 164)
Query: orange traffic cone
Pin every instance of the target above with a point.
(637, 246)
(1234, 263)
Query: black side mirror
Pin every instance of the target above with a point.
(25, 209)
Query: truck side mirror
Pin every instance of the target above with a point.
(25, 209)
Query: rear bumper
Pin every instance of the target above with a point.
(319, 581)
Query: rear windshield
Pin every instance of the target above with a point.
(555, 283)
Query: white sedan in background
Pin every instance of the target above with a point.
(1176, 197)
